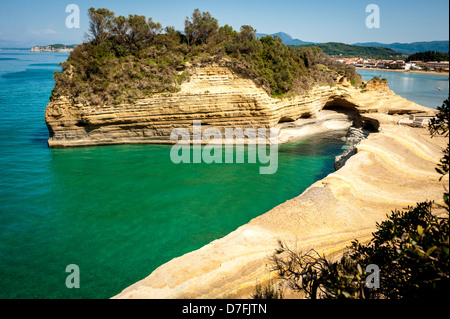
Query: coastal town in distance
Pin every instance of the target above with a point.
(438, 66)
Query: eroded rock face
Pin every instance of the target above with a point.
(330, 214)
(377, 84)
(391, 170)
(216, 94)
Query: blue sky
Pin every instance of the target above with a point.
(28, 22)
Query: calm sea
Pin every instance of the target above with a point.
(425, 89)
(118, 212)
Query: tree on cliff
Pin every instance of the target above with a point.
(100, 22)
(411, 249)
(128, 58)
(200, 28)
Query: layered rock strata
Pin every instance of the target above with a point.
(216, 95)
(327, 216)
(390, 170)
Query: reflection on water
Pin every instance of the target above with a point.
(416, 87)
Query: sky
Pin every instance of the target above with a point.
(29, 22)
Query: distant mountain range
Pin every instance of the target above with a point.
(409, 48)
(53, 48)
(352, 51)
(286, 38)
(405, 48)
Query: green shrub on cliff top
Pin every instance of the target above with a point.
(127, 58)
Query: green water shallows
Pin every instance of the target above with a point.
(118, 212)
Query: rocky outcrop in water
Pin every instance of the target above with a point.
(53, 48)
(355, 135)
(330, 214)
(216, 94)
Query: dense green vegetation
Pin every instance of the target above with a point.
(337, 49)
(126, 58)
(411, 249)
(428, 56)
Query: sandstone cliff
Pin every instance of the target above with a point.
(217, 95)
(327, 216)
(332, 212)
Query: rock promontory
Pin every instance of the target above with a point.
(332, 212)
(134, 83)
(218, 96)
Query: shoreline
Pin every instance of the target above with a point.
(404, 71)
(361, 193)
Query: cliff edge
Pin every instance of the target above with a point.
(328, 215)
(217, 95)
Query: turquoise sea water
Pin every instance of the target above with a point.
(117, 212)
(419, 88)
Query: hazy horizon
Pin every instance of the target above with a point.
(27, 23)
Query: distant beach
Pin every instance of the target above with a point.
(405, 71)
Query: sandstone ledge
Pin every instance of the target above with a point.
(392, 169)
(220, 98)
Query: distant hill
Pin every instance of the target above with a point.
(428, 56)
(409, 48)
(285, 38)
(350, 51)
